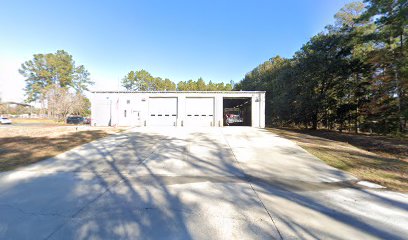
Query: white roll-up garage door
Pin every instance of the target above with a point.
(162, 112)
(199, 112)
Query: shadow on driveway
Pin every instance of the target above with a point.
(183, 184)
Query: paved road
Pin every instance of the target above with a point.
(180, 183)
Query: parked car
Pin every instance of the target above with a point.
(87, 120)
(75, 120)
(4, 120)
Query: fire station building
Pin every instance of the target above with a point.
(178, 108)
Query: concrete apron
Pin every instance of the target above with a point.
(201, 183)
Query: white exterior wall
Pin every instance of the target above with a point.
(107, 105)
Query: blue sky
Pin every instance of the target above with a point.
(217, 40)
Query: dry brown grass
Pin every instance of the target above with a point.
(380, 166)
(34, 120)
(20, 146)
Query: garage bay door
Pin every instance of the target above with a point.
(162, 112)
(199, 112)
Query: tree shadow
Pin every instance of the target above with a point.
(164, 185)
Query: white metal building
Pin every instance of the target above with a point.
(177, 108)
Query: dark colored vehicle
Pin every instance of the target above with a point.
(75, 120)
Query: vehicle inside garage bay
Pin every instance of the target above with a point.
(237, 111)
(178, 108)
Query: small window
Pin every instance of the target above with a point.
(124, 113)
(128, 101)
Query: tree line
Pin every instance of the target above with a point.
(351, 76)
(143, 81)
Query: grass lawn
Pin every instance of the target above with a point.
(23, 145)
(375, 159)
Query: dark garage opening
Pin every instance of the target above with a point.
(237, 111)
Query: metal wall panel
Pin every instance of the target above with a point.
(101, 113)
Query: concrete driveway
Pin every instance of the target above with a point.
(180, 183)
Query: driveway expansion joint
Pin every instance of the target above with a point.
(123, 179)
(250, 184)
(191, 184)
(24, 212)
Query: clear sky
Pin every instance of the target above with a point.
(217, 40)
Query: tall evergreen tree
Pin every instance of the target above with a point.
(53, 69)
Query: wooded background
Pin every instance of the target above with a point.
(351, 76)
